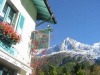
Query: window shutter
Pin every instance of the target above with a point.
(20, 24)
(2, 2)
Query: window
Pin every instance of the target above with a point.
(8, 14)
(6, 70)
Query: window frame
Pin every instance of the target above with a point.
(15, 16)
(6, 13)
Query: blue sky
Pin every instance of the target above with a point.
(77, 19)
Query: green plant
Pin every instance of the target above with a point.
(7, 31)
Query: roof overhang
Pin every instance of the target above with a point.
(44, 12)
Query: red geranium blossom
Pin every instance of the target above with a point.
(8, 31)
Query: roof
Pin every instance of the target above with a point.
(44, 12)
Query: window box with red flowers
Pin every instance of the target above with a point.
(8, 33)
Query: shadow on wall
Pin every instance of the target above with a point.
(30, 8)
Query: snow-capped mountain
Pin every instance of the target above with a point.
(76, 48)
(70, 44)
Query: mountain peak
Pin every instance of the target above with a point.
(75, 47)
(70, 44)
(97, 44)
(69, 39)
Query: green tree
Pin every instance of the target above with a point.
(80, 72)
(52, 70)
(76, 68)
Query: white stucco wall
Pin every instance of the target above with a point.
(29, 25)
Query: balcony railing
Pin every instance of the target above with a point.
(11, 50)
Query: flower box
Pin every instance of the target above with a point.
(8, 33)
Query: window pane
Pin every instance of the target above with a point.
(3, 13)
(8, 14)
(2, 16)
(9, 20)
(11, 14)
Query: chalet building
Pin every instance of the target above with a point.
(17, 21)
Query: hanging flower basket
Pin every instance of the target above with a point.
(8, 33)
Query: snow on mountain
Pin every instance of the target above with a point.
(74, 47)
(70, 44)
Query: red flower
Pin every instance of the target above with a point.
(8, 31)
